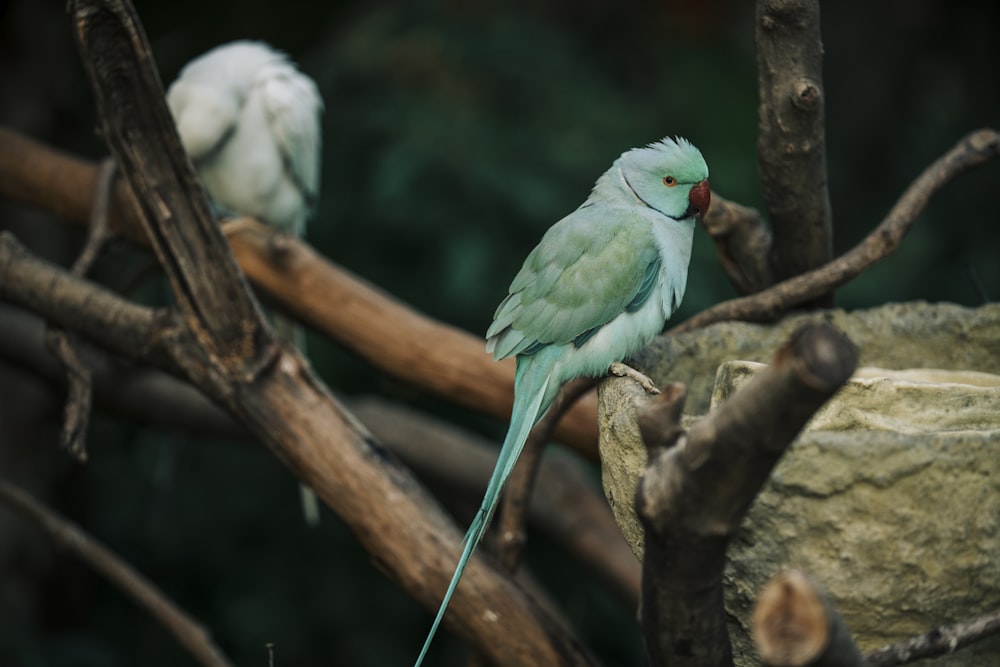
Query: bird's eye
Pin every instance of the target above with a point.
(669, 181)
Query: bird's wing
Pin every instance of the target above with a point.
(292, 105)
(590, 267)
(205, 115)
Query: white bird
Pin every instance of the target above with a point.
(250, 122)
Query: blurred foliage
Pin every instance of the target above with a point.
(454, 134)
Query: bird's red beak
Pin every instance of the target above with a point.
(699, 198)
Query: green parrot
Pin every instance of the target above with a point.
(598, 287)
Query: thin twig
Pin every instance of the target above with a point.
(973, 150)
(99, 230)
(186, 630)
(939, 641)
(79, 394)
(513, 515)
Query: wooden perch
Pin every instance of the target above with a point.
(388, 334)
(796, 625)
(217, 338)
(791, 142)
(698, 486)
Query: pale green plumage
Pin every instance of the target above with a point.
(597, 288)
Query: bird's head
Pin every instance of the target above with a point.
(669, 176)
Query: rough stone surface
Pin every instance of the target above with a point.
(897, 336)
(892, 497)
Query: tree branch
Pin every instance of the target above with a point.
(791, 144)
(937, 642)
(73, 303)
(186, 630)
(742, 244)
(76, 415)
(698, 486)
(137, 392)
(973, 150)
(565, 505)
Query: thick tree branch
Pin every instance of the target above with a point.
(791, 144)
(207, 285)
(133, 331)
(796, 625)
(973, 150)
(186, 630)
(388, 334)
(698, 486)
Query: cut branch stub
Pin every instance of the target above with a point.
(796, 625)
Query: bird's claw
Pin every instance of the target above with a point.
(624, 370)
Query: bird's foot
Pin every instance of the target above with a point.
(624, 370)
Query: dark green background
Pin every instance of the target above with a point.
(454, 134)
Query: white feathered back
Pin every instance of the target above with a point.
(251, 123)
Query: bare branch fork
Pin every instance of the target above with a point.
(939, 641)
(698, 486)
(78, 377)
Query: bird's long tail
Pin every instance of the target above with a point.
(532, 397)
